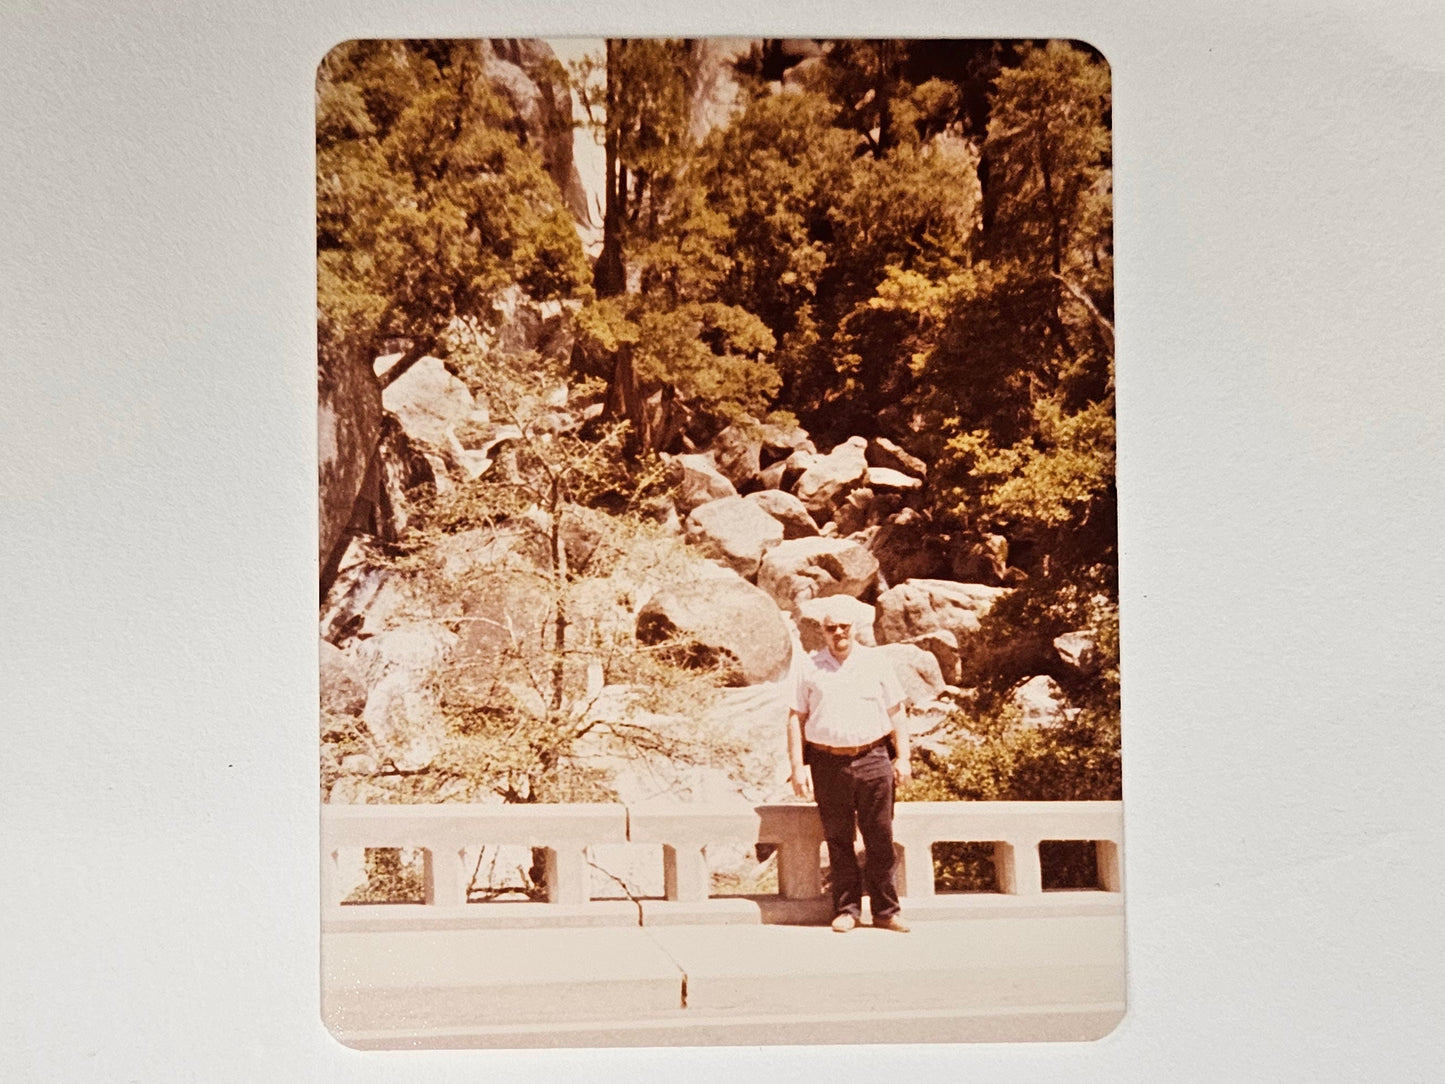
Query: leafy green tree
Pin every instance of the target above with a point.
(1027, 330)
(869, 82)
(820, 215)
(772, 176)
(912, 214)
(657, 332)
(1048, 154)
(1013, 404)
(427, 203)
(793, 214)
(994, 756)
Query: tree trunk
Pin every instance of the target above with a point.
(626, 402)
(559, 581)
(609, 277)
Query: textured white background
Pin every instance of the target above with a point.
(1281, 284)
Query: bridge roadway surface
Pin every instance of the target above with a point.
(976, 979)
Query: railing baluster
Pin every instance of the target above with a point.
(684, 873)
(915, 866)
(429, 876)
(567, 877)
(1016, 861)
(446, 875)
(1106, 854)
(799, 875)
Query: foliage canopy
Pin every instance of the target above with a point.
(427, 203)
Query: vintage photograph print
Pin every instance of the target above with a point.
(719, 631)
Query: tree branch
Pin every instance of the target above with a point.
(1104, 325)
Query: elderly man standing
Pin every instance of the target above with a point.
(847, 704)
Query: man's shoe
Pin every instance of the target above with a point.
(892, 922)
(844, 922)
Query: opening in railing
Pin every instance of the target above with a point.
(1069, 864)
(964, 867)
(383, 874)
(739, 869)
(506, 873)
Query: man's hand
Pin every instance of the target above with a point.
(902, 754)
(902, 771)
(802, 780)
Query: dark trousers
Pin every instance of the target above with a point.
(857, 792)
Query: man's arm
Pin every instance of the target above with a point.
(902, 767)
(801, 777)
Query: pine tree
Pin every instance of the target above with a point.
(427, 203)
(657, 333)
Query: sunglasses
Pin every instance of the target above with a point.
(827, 627)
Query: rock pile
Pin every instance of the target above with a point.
(801, 524)
(766, 522)
(845, 522)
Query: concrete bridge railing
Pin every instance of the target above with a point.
(445, 832)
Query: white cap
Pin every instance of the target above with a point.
(840, 609)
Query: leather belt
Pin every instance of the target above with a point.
(847, 750)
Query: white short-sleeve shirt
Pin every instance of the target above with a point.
(844, 704)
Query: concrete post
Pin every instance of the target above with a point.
(915, 867)
(1111, 875)
(567, 880)
(446, 876)
(799, 875)
(1016, 864)
(684, 873)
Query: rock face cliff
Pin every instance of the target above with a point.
(534, 82)
(714, 91)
